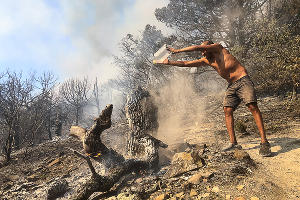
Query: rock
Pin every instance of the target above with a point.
(215, 189)
(179, 194)
(127, 196)
(183, 156)
(208, 174)
(139, 180)
(193, 192)
(240, 187)
(205, 195)
(32, 177)
(208, 188)
(57, 160)
(196, 178)
(241, 154)
(13, 177)
(199, 177)
(184, 162)
(240, 198)
(160, 197)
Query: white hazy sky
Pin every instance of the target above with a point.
(71, 38)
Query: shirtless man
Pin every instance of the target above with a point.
(240, 87)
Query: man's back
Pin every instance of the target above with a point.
(227, 66)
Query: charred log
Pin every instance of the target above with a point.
(98, 183)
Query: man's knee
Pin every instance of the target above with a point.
(228, 111)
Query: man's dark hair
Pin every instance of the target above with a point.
(207, 42)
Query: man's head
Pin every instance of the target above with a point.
(204, 53)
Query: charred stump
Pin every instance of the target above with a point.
(118, 166)
(92, 143)
(141, 114)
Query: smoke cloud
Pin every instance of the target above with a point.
(96, 27)
(72, 38)
(180, 108)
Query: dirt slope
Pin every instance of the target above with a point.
(276, 177)
(283, 130)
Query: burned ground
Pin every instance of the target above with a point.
(33, 171)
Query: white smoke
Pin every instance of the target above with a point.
(96, 27)
(71, 37)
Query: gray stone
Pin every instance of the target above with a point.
(184, 162)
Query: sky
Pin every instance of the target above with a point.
(71, 38)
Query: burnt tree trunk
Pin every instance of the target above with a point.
(8, 147)
(94, 147)
(58, 125)
(141, 114)
(92, 143)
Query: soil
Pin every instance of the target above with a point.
(282, 123)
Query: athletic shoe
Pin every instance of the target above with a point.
(265, 149)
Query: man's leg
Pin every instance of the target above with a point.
(265, 148)
(258, 120)
(230, 123)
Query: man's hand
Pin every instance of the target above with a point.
(172, 50)
(165, 62)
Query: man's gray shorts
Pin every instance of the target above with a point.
(240, 90)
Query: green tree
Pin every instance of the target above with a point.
(219, 20)
(274, 59)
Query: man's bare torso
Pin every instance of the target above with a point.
(227, 66)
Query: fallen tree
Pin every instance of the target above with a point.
(115, 162)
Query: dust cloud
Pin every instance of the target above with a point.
(180, 108)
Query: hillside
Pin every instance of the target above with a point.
(234, 175)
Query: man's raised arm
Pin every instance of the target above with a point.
(193, 63)
(202, 47)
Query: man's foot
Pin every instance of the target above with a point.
(265, 149)
(231, 146)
